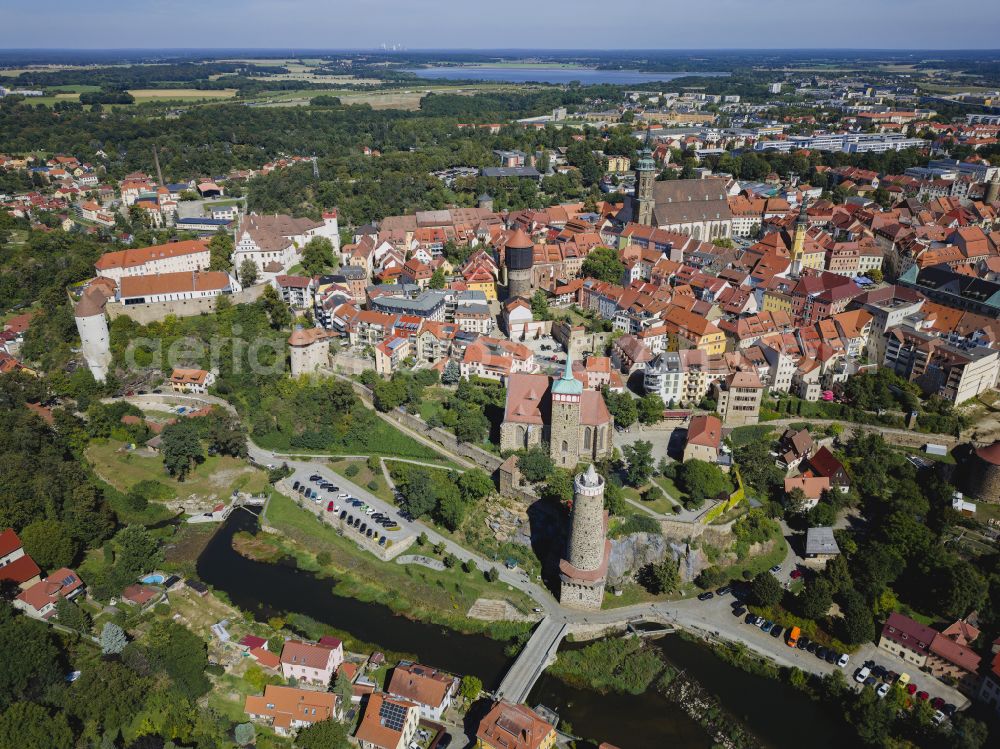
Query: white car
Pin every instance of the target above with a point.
(842, 660)
(863, 673)
(370, 511)
(883, 690)
(939, 717)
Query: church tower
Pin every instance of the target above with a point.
(645, 175)
(583, 571)
(799, 239)
(567, 394)
(993, 188)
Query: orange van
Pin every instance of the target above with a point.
(793, 636)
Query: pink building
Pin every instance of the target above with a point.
(311, 662)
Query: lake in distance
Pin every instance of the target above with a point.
(545, 74)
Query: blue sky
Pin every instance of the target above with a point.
(468, 24)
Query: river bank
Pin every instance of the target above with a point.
(631, 721)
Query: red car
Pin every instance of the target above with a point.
(796, 574)
(911, 688)
(922, 696)
(329, 507)
(936, 703)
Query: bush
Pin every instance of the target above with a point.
(637, 523)
(352, 470)
(372, 485)
(711, 577)
(652, 494)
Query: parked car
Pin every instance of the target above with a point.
(812, 647)
(381, 541)
(315, 477)
(739, 611)
(937, 703)
(831, 656)
(296, 485)
(803, 643)
(792, 640)
(862, 673)
(820, 652)
(751, 619)
(923, 696)
(776, 569)
(363, 528)
(796, 574)
(843, 660)
(724, 590)
(706, 595)
(776, 631)
(939, 717)
(329, 506)
(343, 514)
(766, 625)
(911, 688)
(948, 709)
(883, 690)
(369, 533)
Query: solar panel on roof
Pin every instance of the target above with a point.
(393, 716)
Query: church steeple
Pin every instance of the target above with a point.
(799, 238)
(645, 175)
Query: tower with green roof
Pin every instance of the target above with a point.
(645, 176)
(567, 394)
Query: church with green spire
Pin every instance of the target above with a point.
(560, 411)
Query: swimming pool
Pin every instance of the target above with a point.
(153, 579)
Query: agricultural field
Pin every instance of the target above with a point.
(180, 94)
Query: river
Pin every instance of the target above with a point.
(777, 713)
(545, 74)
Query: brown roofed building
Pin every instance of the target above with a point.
(173, 287)
(172, 257)
(15, 565)
(738, 397)
(191, 380)
(509, 726)
(310, 662)
(704, 439)
(287, 709)
(431, 690)
(907, 639)
(387, 723)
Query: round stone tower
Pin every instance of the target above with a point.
(985, 479)
(95, 338)
(993, 188)
(519, 259)
(583, 572)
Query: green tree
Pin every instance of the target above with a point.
(651, 409)
(661, 577)
(535, 464)
(275, 307)
(317, 256)
(72, 616)
(181, 448)
(31, 663)
(815, 599)
(604, 264)
(182, 655)
(622, 406)
(344, 689)
(472, 426)
(701, 480)
(327, 734)
(110, 695)
(25, 725)
(113, 639)
(559, 486)
(766, 590)
(857, 624)
(968, 733)
(452, 373)
(245, 734)
(471, 688)
(438, 279)
(138, 551)
(540, 305)
(450, 510)
(50, 544)
(388, 395)
(475, 484)
(248, 273)
(220, 250)
(639, 459)
(418, 493)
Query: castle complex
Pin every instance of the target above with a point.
(584, 569)
(575, 421)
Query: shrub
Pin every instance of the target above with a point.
(372, 485)
(352, 470)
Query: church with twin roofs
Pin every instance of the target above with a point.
(573, 420)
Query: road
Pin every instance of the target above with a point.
(712, 619)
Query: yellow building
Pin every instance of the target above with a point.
(482, 280)
(777, 301)
(618, 164)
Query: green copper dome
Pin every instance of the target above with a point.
(567, 384)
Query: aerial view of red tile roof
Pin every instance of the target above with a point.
(705, 430)
(285, 704)
(139, 255)
(509, 726)
(305, 654)
(173, 283)
(375, 723)
(420, 684)
(188, 376)
(908, 633)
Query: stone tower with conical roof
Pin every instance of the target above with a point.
(564, 432)
(519, 261)
(584, 569)
(95, 337)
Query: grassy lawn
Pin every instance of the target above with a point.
(363, 477)
(410, 590)
(662, 505)
(217, 476)
(753, 433)
(947, 458)
(390, 440)
(670, 488)
(633, 593)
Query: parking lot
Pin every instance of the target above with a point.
(722, 609)
(549, 354)
(357, 508)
